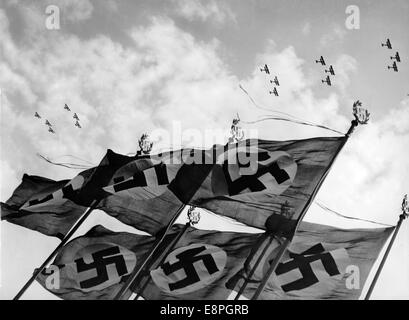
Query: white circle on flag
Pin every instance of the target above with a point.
(190, 268)
(96, 268)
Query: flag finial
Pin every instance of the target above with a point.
(193, 216)
(236, 132)
(405, 207)
(145, 145)
(361, 114)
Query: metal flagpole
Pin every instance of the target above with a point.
(253, 269)
(271, 269)
(403, 216)
(137, 271)
(145, 147)
(361, 117)
(236, 135)
(57, 249)
(194, 218)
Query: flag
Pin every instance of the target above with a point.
(54, 210)
(84, 188)
(147, 193)
(287, 175)
(264, 184)
(96, 265)
(55, 221)
(52, 207)
(322, 263)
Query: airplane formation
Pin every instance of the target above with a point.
(330, 70)
(274, 81)
(396, 57)
(50, 126)
(265, 69)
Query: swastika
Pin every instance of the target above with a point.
(303, 262)
(251, 181)
(186, 260)
(101, 260)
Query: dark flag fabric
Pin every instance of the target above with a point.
(322, 262)
(84, 188)
(52, 207)
(95, 266)
(253, 181)
(52, 221)
(148, 193)
(286, 175)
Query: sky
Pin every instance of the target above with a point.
(173, 69)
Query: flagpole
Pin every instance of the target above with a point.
(236, 135)
(272, 268)
(137, 271)
(194, 218)
(57, 249)
(168, 250)
(403, 216)
(361, 117)
(145, 147)
(253, 269)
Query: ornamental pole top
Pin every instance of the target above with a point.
(361, 114)
(145, 145)
(236, 132)
(405, 207)
(193, 216)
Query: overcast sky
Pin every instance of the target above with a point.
(128, 67)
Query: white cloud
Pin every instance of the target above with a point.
(369, 178)
(75, 10)
(334, 36)
(343, 67)
(166, 74)
(121, 92)
(205, 10)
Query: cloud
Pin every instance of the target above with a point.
(75, 10)
(35, 13)
(334, 36)
(343, 67)
(204, 11)
(165, 75)
(119, 93)
(369, 178)
(165, 78)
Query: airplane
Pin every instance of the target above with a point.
(396, 57)
(75, 116)
(274, 91)
(77, 124)
(67, 108)
(394, 67)
(321, 60)
(48, 123)
(330, 70)
(275, 81)
(37, 115)
(265, 69)
(51, 130)
(327, 80)
(387, 44)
